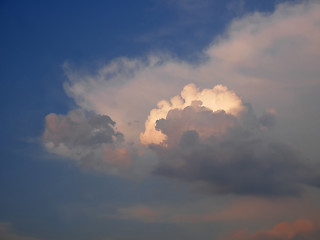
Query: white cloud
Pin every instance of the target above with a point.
(216, 99)
(259, 54)
(268, 59)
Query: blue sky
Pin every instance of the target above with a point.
(84, 157)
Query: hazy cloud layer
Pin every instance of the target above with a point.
(302, 229)
(141, 213)
(210, 209)
(6, 233)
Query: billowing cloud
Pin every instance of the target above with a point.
(300, 229)
(92, 140)
(6, 233)
(88, 138)
(224, 146)
(258, 54)
(210, 136)
(78, 129)
(218, 98)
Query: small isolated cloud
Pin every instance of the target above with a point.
(6, 233)
(88, 138)
(302, 229)
(222, 145)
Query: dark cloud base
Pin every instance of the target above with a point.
(241, 161)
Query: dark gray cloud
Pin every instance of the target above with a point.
(234, 155)
(79, 128)
(88, 138)
(196, 117)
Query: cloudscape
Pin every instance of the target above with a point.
(161, 119)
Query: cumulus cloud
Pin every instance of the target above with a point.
(92, 140)
(88, 138)
(218, 98)
(300, 229)
(225, 148)
(6, 233)
(258, 54)
(77, 129)
(209, 136)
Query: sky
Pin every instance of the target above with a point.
(160, 119)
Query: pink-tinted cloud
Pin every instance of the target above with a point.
(267, 59)
(118, 156)
(138, 213)
(257, 55)
(219, 98)
(252, 209)
(303, 229)
(89, 139)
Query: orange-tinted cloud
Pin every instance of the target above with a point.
(219, 98)
(119, 156)
(248, 208)
(302, 229)
(257, 55)
(140, 213)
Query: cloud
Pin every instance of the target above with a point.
(6, 233)
(300, 229)
(269, 59)
(92, 141)
(259, 54)
(244, 209)
(260, 46)
(218, 98)
(88, 138)
(77, 129)
(221, 209)
(221, 144)
(140, 213)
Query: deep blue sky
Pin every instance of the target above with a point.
(37, 38)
